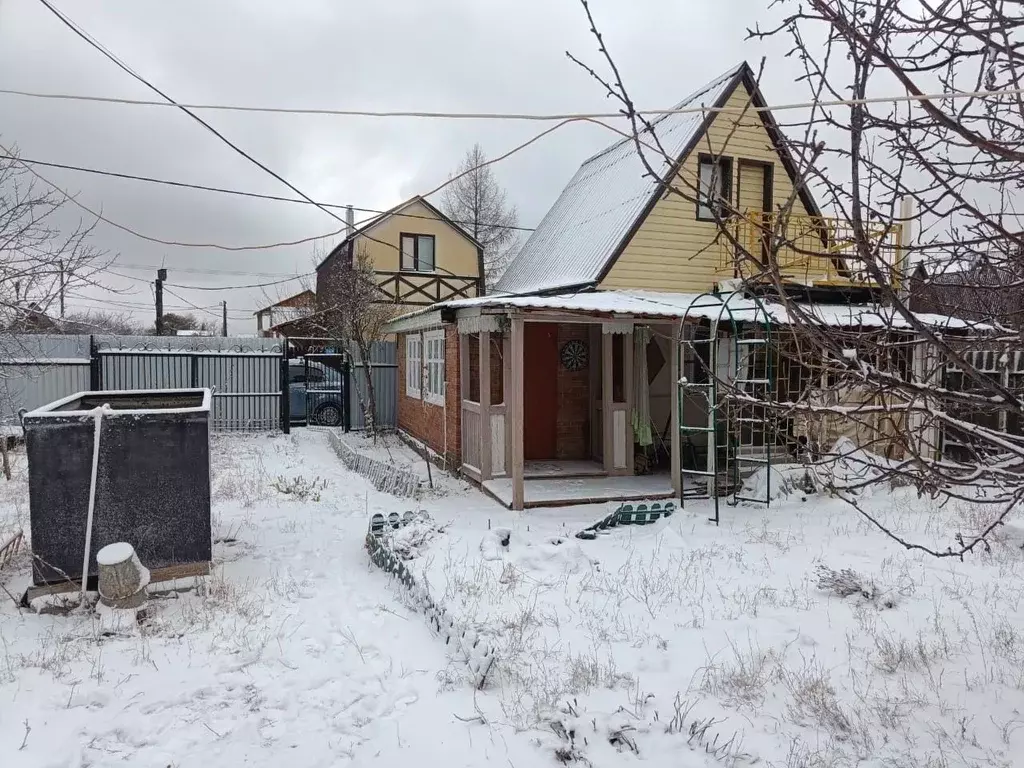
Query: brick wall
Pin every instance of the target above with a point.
(426, 421)
(573, 435)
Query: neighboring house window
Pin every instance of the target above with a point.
(433, 378)
(714, 186)
(417, 253)
(413, 364)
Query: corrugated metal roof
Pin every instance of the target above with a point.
(673, 306)
(581, 233)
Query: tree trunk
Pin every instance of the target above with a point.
(5, 450)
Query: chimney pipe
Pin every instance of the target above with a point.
(350, 220)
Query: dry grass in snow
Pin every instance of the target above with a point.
(799, 634)
(796, 637)
(294, 651)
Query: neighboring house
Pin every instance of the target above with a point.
(31, 318)
(419, 256)
(287, 317)
(982, 292)
(591, 359)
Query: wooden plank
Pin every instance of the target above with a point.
(515, 425)
(676, 374)
(506, 382)
(607, 428)
(485, 405)
(628, 346)
(156, 576)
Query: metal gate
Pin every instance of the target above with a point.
(317, 375)
(327, 377)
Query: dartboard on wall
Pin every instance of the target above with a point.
(574, 355)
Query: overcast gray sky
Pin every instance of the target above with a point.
(457, 55)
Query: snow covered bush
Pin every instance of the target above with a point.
(847, 582)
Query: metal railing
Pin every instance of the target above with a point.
(810, 250)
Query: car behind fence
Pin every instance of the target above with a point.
(248, 374)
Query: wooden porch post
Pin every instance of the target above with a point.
(485, 405)
(516, 412)
(607, 423)
(674, 459)
(628, 345)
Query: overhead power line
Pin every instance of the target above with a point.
(195, 271)
(323, 236)
(121, 65)
(235, 287)
(524, 116)
(238, 192)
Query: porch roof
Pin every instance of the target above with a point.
(677, 306)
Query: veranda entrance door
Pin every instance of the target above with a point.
(540, 390)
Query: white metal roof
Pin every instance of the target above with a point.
(675, 306)
(580, 234)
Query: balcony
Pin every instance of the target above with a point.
(425, 288)
(811, 251)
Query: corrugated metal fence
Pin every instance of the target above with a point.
(36, 370)
(383, 367)
(245, 373)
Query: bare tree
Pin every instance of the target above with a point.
(476, 202)
(950, 167)
(93, 321)
(185, 321)
(352, 308)
(43, 255)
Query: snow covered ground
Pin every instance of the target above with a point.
(673, 644)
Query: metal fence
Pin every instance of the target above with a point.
(36, 370)
(382, 367)
(246, 374)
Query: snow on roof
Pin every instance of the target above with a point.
(652, 304)
(581, 233)
(288, 314)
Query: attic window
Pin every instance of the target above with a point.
(417, 253)
(714, 187)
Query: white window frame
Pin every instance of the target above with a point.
(413, 365)
(433, 367)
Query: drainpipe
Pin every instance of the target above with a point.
(902, 267)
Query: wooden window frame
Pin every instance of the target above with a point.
(414, 366)
(431, 395)
(415, 253)
(725, 164)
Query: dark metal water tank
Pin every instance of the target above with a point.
(153, 480)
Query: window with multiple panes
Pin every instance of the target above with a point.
(433, 369)
(417, 253)
(413, 364)
(714, 186)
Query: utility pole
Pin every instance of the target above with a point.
(224, 318)
(60, 265)
(161, 275)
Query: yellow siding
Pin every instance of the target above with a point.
(672, 250)
(454, 253)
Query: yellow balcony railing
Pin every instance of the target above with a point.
(809, 250)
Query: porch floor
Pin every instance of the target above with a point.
(557, 468)
(563, 492)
